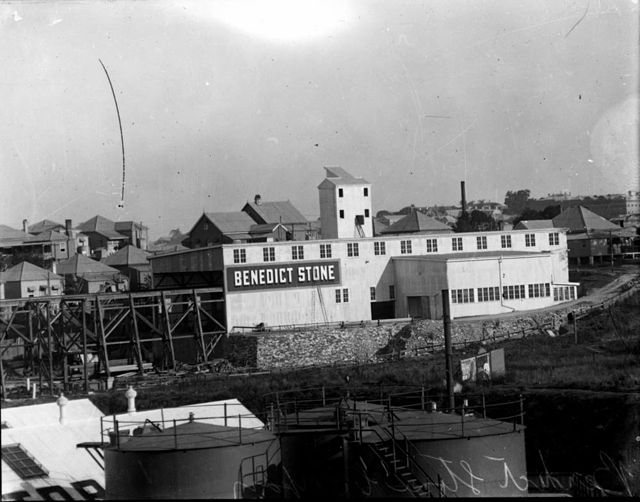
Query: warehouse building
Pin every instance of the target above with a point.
(349, 275)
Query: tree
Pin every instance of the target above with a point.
(476, 221)
(516, 201)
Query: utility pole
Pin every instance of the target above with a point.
(446, 318)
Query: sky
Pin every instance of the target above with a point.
(222, 100)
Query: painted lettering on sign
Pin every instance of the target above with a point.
(286, 275)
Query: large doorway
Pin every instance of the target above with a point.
(414, 307)
(383, 310)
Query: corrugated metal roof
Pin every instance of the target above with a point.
(49, 236)
(580, 219)
(416, 222)
(533, 224)
(26, 271)
(80, 265)
(12, 237)
(276, 212)
(128, 255)
(230, 222)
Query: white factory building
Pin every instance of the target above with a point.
(350, 275)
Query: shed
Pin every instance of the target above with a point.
(84, 275)
(132, 262)
(28, 280)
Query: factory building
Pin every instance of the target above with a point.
(349, 275)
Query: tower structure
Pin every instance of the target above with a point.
(345, 205)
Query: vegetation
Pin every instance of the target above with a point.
(548, 213)
(516, 201)
(476, 221)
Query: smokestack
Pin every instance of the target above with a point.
(67, 227)
(25, 226)
(463, 197)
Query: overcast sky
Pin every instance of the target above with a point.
(223, 100)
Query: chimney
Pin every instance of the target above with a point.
(62, 402)
(25, 226)
(67, 227)
(131, 399)
(257, 200)
(463, 196)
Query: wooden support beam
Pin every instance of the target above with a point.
(85, 354)
(103, 337)
(136, 335)
(167, 330)
(198, 319)
(50, 348)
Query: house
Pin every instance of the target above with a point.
(26, 280)
(588, 234)
(133, 263)
(44, 225)
(416, 223)
(84, 275)
(12, 240)
(220, 228)
(136, 233)
(265, 212)
(103, 238)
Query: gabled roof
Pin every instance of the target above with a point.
(231, 222)
(128, 255)
(580, 219)
(276, 212)
(266, 228)
(49, 236)
(81, 265)
(533, 224)
(337, 176)
(43, 226)
(26, 271)
(416, 222)
(101, 225)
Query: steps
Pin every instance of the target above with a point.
(401, 471)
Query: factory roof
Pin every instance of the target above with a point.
(534, 224)
(26, 271)
(231, 222)
(416, 222)
(128, 255)
(275, 212)
(473, 255)
(338, 176)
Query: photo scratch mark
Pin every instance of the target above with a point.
(578, 21)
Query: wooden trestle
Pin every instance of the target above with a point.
(46, 330)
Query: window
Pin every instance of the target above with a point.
(392, 292)
(372, 293)
(366, 213)
(405, 247)
(562, 293)
(340, 192)
(23, 464)
(529, 240)
(554, 239)
(491, 294)
(63, 248)
(456, 243)
(239, 256)
(342, 213)
(46, 248)
(338, 296)
(325, 250)
(481, 242)
(538, 290)
(352, 249)
(462, 296)
(345, 295)
(505, 240)
(432, 245)
(513, 292)
(297, 252)
(366, 192)
(269, 254)
(379, 248)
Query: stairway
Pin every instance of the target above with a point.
(402, 472)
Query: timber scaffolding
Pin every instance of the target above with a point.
(43, 333)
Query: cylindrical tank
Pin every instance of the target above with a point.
(191, 461)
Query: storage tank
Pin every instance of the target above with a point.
(193, 460)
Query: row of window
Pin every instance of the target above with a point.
(561, 293)
(372, 293)
(365, 192)
(380, 248)
(341, 213)
(492, 294)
